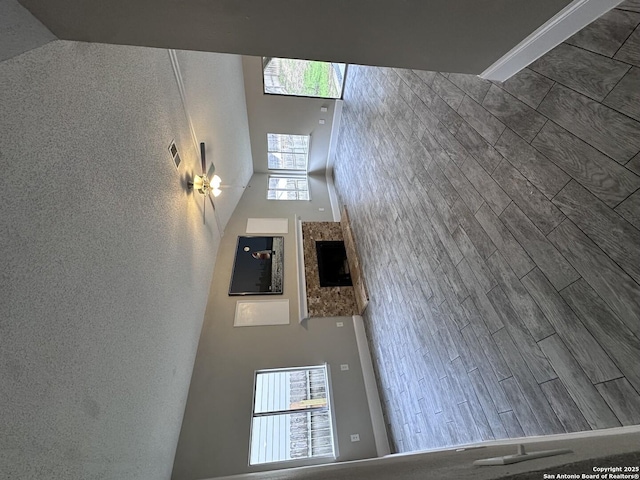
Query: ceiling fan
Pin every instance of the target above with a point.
(208, 183)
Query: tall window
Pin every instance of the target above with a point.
(291, 415)
(287, 152)
(288, 187)
(307, 78)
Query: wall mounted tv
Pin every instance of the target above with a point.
(258, 266)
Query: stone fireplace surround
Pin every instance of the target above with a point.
(324, 301)
(331, 301)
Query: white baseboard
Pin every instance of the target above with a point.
(603, 432)
(561, 26)
(635, 429)
(333, 197)
(371, 388)
(335, 130)
(331, 156)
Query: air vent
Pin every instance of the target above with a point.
(173, 150)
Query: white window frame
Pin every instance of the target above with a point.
(272, 86)
(289, 152)
(296, 177)
(314, 460)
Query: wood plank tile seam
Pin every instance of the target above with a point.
(614, 87)
(583, 70)
(622, 44)
(600, 250)
(611, 380)
(576, 91)
(625, 198)
(608, 33)
(441, 330)
(586, 104)
(631, 5)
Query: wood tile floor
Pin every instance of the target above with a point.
(498, 226)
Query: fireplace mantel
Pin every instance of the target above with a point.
(302, 283)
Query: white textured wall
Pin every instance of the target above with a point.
(19, 30)
(214, 439)
(105, 264)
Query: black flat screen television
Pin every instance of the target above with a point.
(258, 266)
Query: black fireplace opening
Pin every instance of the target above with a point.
(332, 264)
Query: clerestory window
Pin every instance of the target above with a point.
(287, 152)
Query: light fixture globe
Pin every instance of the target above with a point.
(206, 184)
(201, 184)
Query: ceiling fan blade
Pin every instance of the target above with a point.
(212, 169)
(213, 205)
(204, 209)
(203, 160)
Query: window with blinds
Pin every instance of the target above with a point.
(287, 152)
(288, 187)
(291, 415)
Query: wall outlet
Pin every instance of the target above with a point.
(344, 367)
(339, 324)
(323, 109)
(321, 209)
(321, 121)
(355, 437)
